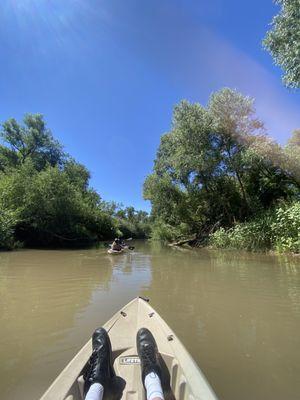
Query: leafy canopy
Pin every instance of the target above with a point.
(45, 197)
(217, 166)
(283, 41)
(32, 140)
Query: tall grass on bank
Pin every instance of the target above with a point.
(277, 229)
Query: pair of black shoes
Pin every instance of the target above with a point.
(100, 367)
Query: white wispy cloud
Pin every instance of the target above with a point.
(194, 57)
(232, 67)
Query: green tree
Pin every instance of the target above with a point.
(45, 198)
(199, 172)
(8, 221)
(32, 140)
(52, 209)
(132, 223)
(283, 41)
(9, 216)
(234, 120)
(216, 167)
(292, 157)
(77, 174)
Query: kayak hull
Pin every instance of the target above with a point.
(114, 252)
(182, 379)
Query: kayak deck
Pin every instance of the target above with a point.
(181, 380)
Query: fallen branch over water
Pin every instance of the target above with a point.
(184, 241)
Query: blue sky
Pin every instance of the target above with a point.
(107, 73)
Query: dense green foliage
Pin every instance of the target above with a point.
(286, 228)
(253, 235)
(133, 223)
(217, 168)
(45, 198)
(278, 229)
(283, 41)
(130, 222)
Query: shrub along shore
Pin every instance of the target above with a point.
(277, 229)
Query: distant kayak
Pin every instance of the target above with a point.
(111, 251)
(124, 248)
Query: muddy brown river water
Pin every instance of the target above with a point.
(237, 313)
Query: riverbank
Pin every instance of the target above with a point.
(275, 230)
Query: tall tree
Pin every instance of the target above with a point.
(216, 166)
(235, 122)
(32, 140)
(283, 41)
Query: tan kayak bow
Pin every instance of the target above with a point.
(181, 376)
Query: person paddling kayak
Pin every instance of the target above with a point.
(116, 245)
(119, 244)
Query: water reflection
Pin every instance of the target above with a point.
(50, 303)
(237, 313)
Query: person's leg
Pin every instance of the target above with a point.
(95, 392)
(99, 370)
(151, 371)
(153, 387)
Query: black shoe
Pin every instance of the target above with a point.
(100, 367)
(148, 353)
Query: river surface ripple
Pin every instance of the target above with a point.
(237, 313)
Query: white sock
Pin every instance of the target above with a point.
(95, 392)
(153, 386)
